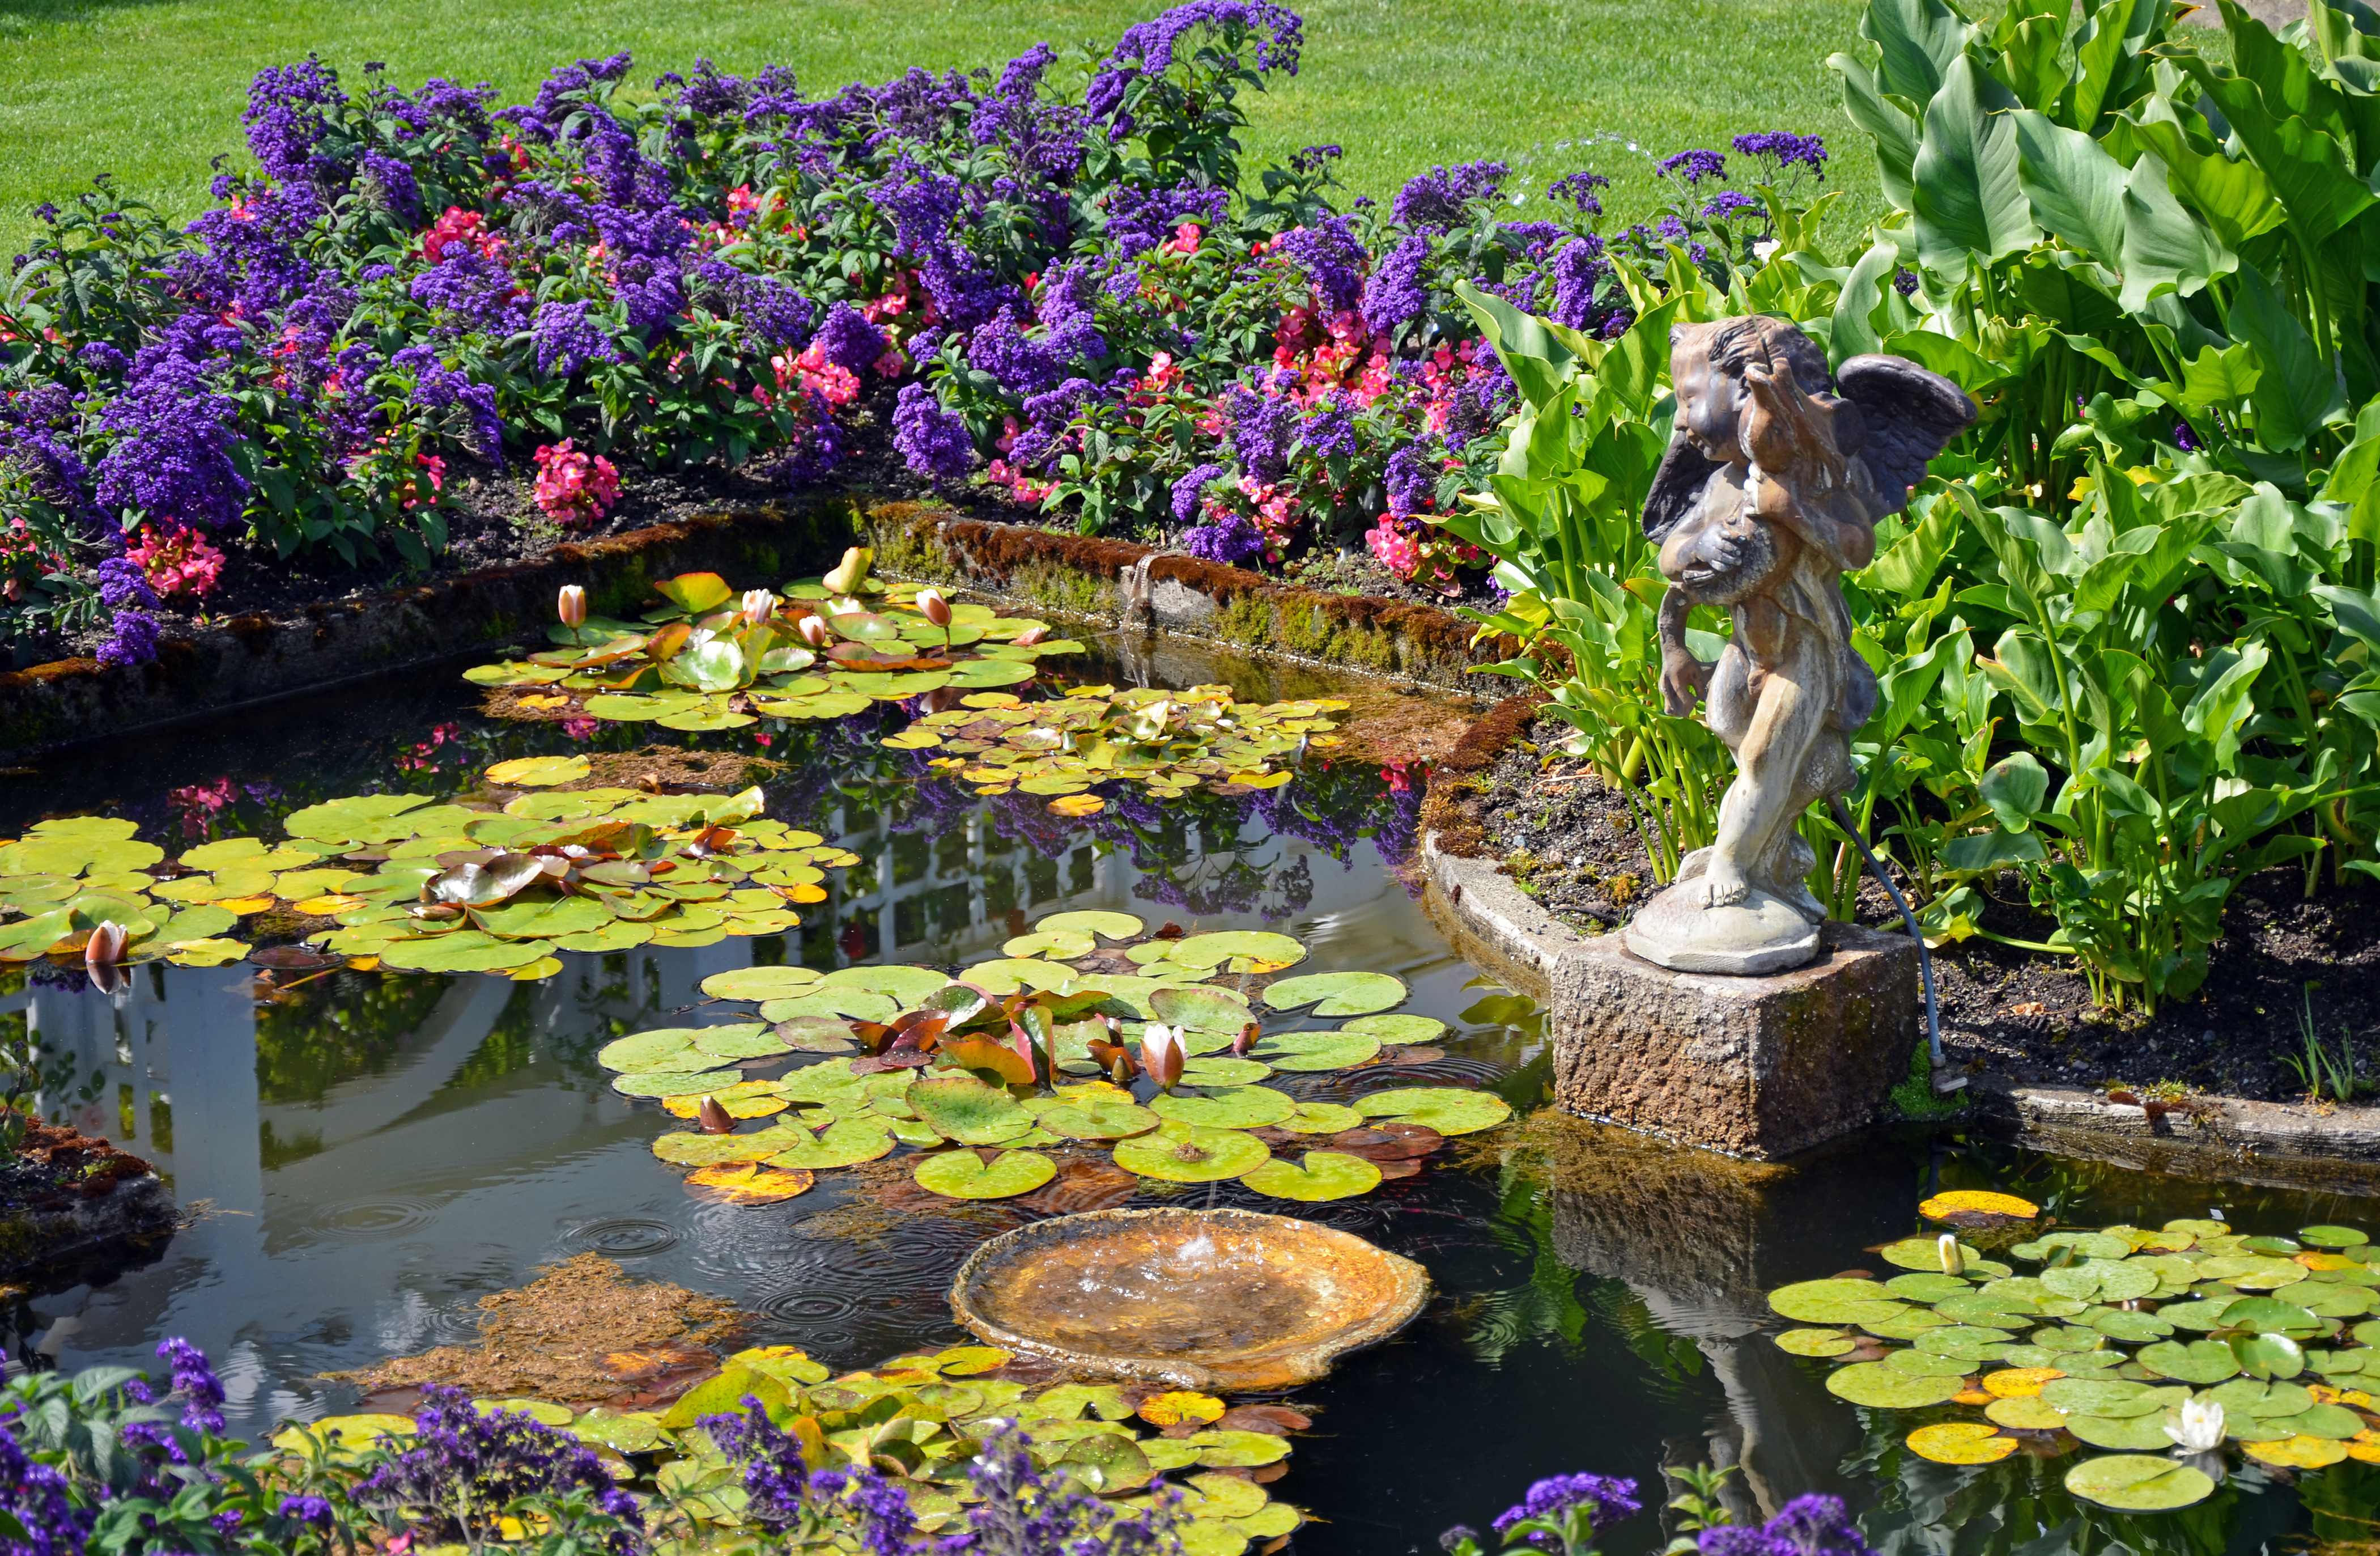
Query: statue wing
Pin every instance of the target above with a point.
(1910, 414)
(1677, 485)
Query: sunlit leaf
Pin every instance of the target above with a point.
(538, 772)
(1323, 1174)
(962, 1174)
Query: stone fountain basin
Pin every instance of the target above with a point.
(1210, 1299)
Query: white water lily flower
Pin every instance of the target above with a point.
(1161, 1053)
(2200, 1429)
(1954, 1261)
(758, 604)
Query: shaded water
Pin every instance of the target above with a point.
(373, 1153)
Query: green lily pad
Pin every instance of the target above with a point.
(2254, 1397)
(857, 1004)
(1906, 1325)
(685, 1149)
(1218, 1070)
(1449, 1110)
(965, 1110)
(905, 985)
(962, 1174)
(1252, 945)
(761, 983)
(1060, 945)
(2268, 1355)
(675, 1083)
(646, 1051)
(628, 1431)
(1926, 1364)
(2205, 1315)
(1926, 1254)
(1097, 1119)
(2026, 1413)
(1233, 1107)
(1966, 1341)
(1338, 994)
(1321, 1118)
(1395, 1029)
(745, 1040)
(1888, 1387)
(1812, 1302)
(2131, 1433)
(2332, 1236)
(1340, 1050)
(1816, 1343)
(1199, 1007)
(1324, 1174)
(2270, 1315)
(2194, 1361)
(845, 1143)
(1093, 921)
(1926, 1288)
(2137, 1483)
(1185, 1153)
(464, 952)
(2131, 1327)
(542, 921)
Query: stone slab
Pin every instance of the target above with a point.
(1759, 1066)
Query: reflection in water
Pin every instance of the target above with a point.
(368, 1154)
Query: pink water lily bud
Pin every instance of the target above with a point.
(571, 607)
(759, 605)
(815, 631)
(1247, 1039)
(1032, 635)
(937, 609)
(715, 1119)
(1162, 1054)
(105, 947)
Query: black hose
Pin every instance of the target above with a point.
(1924, 957)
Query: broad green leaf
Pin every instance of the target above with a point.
(1968, 199)
(2076, 190)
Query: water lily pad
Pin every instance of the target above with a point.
(1968, 1343)
(1202, 1008)
(1233, 1107)
(2268, 1315)
(1338, 994)
(761, 983)
(906, 986)
(2020, 1382)
(2097, 1397)
(2131, 1327)
(1396, 1028)
(2332, 1236)
(463, 951)
(743, 1040)
(1252, 945)
(845, 1143)
(1924, 1364)
(626, 1431)
(542, 921)
(1961, 1442)
(2129, 1434)
(1834, 1302)
(647, 1050)
(1816, 1343)
(2194, 1361)
(1977, 1202)
(1905, 1325)
(687, 1148)
(1179, 1153)
(1092, 921)
(1926, 1288)
(1294, 1052)
(2298, 1452)
(538, 772)
(1924, 1253)
(962, 1174)
(675, 1083)
(1221, 1070)
(1324, 1174)
(1888, 1387)
(963, 1108)
(1321, 1118)
(857, 1004)
(1449, 1110)
(2029, 1413)
(2268, 1355)
(2137, 1483)
(1097, 1119)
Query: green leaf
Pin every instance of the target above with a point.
(1889, 1388)
(1339, 994)
(2164, 246)
(2076, 187)
(1539, 363)
(2137, 1483)
(1181, 1152)
(1324, 1174)
(1921, 43)
(962, 1174)
(2220, 379)
(2014, 788)
(2298, 395)
(1854, 332)
(1969, 199)
(1894, 129)
(1449, 1110)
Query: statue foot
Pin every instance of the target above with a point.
(1721, 888)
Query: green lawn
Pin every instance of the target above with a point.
(151, 89)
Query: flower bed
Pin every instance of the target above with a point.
(431, 329)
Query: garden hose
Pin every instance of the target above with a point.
(1924, 957)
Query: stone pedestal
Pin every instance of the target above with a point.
(1756, 1066)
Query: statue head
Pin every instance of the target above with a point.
(1707, 368)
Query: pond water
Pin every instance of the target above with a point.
(370, 1153)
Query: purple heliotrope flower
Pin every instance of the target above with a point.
(1190, 490)
(1786, 149)
(1808, 1526)
(1436, 201)
(1610, 1498)
(933, 442)
(1695, 166)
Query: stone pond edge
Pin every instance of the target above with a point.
(258, 657)
(1498, 927)
(52, 1248)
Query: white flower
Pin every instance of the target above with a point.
(1766, 246)
(1161, 1053)
(2200, 1428)
(759, 605)
(1954, 1261)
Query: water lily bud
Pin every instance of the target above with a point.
(1954, 1261)
(571, 607)
(937, 609)
(851, 571)
(714, 1118)
(814, 631)
(758, 604)
(1162, 1054)
(1247, 1039)
(105, 947)
(1033, 634)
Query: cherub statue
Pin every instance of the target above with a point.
(1769, 492)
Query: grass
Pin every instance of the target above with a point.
(152, 90)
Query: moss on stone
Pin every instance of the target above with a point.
(1244, 621)
(1060, 587)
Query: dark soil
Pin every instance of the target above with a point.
(1357, 571)
(54, 1165)
(1568, 841)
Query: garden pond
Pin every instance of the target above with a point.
(367, 1153)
